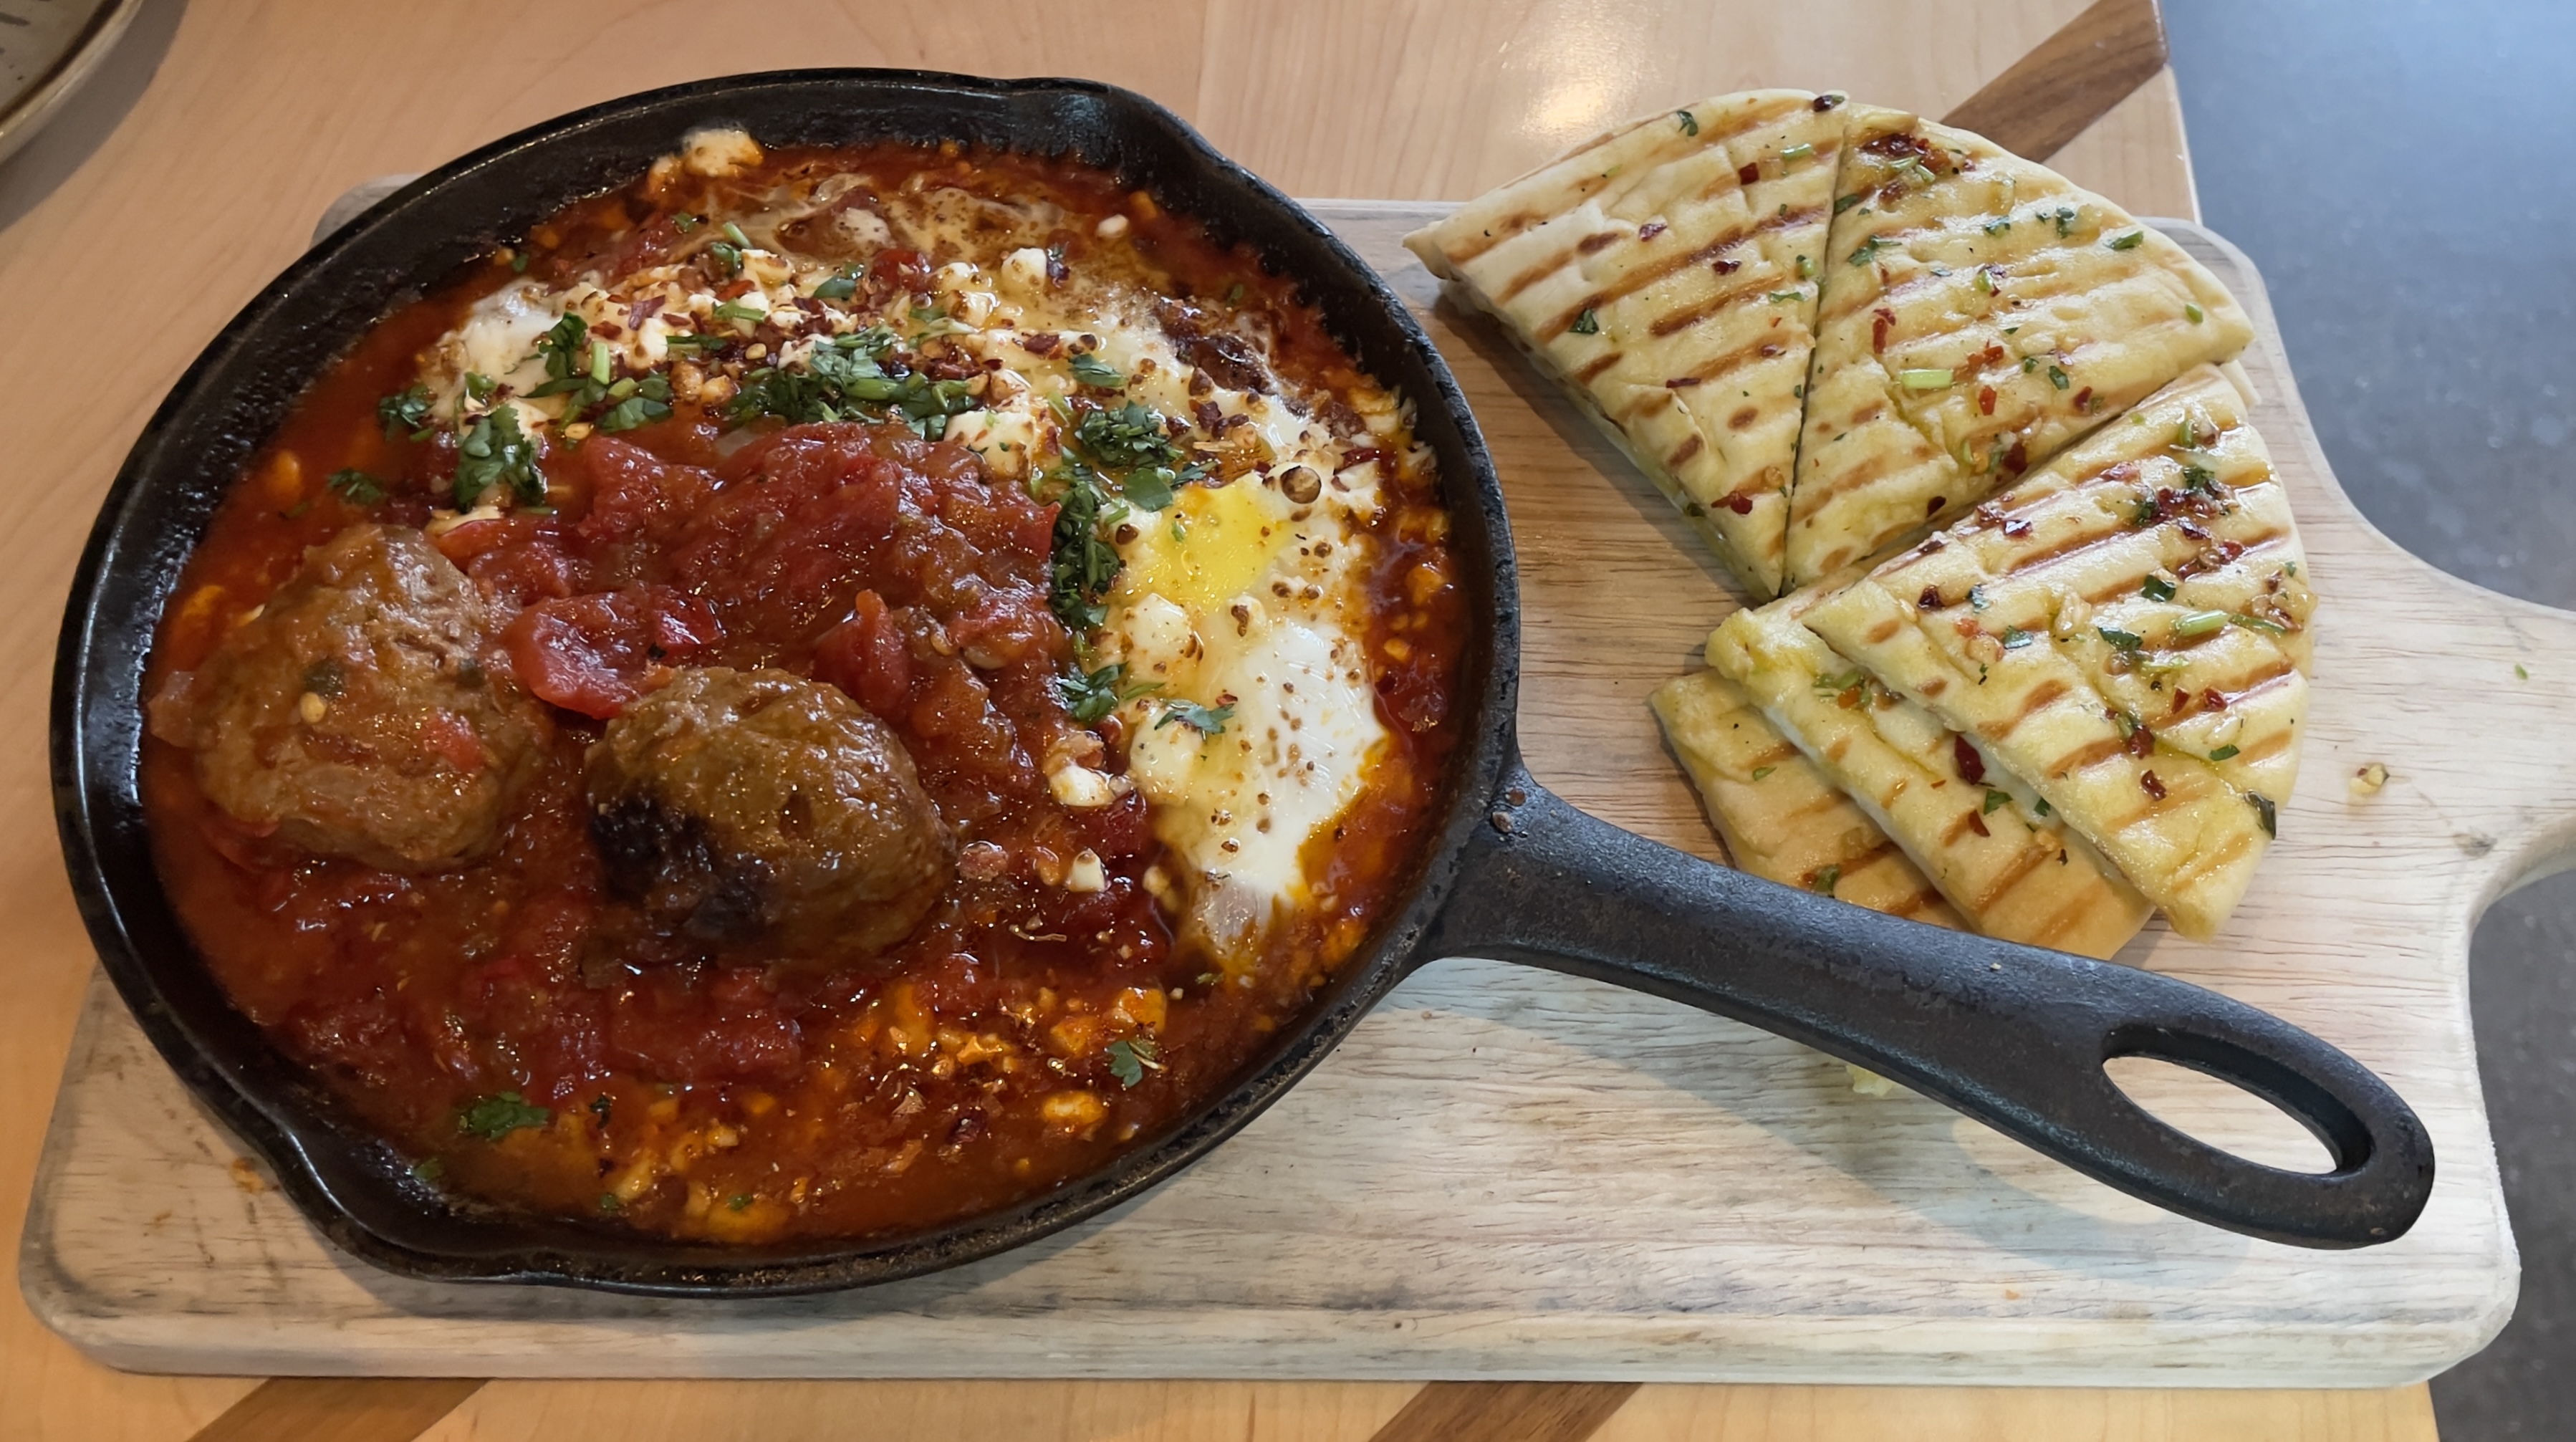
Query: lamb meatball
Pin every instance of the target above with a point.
(758, 806)
(355, 715)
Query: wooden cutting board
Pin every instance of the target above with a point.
(1510, 1173)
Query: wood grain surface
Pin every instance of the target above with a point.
(242, 121)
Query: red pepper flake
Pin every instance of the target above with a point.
(2147, 782)
(1930, 600)
(2214, 699)
(2142, 742)
(1650, 230)
(2182, 700)
(2017, 459)
(1977, 824)
(2016, 528)
(1740, 504)
(1878, 328)
(1933, 507)
(1041, 342)
(1727, 267)
(1972, 767)
(1985, 400)
(2084, 399)
(1682, 383)
(1748, 174)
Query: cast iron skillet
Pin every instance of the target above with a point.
(2011, 1035)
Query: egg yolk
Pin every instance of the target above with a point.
(1227, 542)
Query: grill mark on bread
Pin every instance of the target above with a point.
(2045, 693)
(1689, 448)
(1640, 277)
(2027, 859)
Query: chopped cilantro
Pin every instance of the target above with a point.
(1586, 323)
(2065, 216)
(2042, 806)
(406, 412)
(1092, 695)
(727, 255)
(356, 487)
(737, 310)
(609, 1204)
(1998, 226)
(2156, 588)
(2015, 638)
(2265, 809)
(1825, 880)
(1689, 122)
(2057, 378)
(1761, 771)
(479, 387)
(1083, 563)
(2129, 241)
(1867, 251)
(601, 1106)
(740, 1202)
(1091, 370)
(684, 222)
(1995, 801)
(495, 1117)
(1198, 718)
(2519, 673)
(1977, 600)
(1845, 202)
(1130, 1056)
(494, 452)
(839, 287)
(2123, 640)
(428, 1169)
(2264, 624)
(2222, 753)
(1783, 297)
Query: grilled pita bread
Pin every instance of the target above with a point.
(1780, 817)
(2127, 629)
(1980, 313)
(1665, 276)
(1980, 835)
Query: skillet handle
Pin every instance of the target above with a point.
(2012, 1035)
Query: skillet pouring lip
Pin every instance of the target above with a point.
(357, 1189)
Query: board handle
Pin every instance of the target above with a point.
(2012, 1035)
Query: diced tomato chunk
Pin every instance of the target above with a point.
(594, 654)
(867, 656)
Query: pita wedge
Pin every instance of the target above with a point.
(1980, 313)
(1980, 835)
(2127, 629)
(1780, 817)
(1665, 275)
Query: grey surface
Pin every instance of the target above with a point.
(2398, 170)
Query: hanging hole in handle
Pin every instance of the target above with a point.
(2213, 1109)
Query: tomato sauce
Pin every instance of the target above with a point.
(531, 1041)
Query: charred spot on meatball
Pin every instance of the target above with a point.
(757, 807)
(354, 714)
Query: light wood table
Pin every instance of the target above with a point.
(193, 169)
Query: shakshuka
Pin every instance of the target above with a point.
(824, 693)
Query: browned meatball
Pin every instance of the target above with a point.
(354, 712)
(741, 806)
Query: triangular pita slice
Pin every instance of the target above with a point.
(1665, 275)
(1779, 816)
(1981, 835)
(1980, 313)
(2127, 630)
